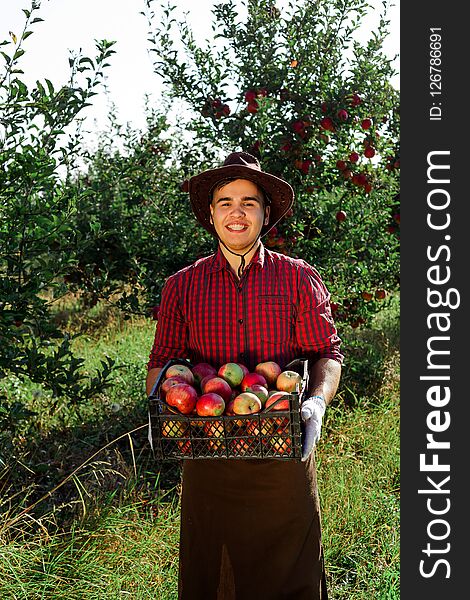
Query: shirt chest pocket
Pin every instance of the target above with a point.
(276, 319)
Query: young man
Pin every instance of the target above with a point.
(250, 528)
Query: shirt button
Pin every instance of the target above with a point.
(240, 321)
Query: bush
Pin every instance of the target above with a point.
(38, 243)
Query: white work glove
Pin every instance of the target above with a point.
(311, 412)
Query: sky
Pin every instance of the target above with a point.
(70, 25)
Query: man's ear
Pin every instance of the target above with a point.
(210, 217)
(266, 214)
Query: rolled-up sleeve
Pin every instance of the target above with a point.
(171, 329)
(315, 329)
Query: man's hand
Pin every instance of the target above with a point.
(312, 411)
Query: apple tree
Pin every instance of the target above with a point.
(296, 88)
(38, 242)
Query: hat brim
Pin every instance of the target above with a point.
(280, 193)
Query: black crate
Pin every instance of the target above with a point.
(267, 434)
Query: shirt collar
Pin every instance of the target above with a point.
(220, 262)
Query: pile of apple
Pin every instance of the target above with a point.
(231, 390)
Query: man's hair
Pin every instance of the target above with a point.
(227, 180)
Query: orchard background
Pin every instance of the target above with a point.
(88, 236)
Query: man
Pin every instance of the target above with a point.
(250, 528)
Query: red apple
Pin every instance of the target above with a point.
(242, 366)
(341, 216)
(250, 95)
(341, 165)
(369, 152)
(210, 405)
(229, 407)
(282, 404)
(342, 114)
(367, 296)
(327, 123)
(380, 294)
(246, 403)
(201, 370)
(288, 381)
(366, 123)
(252, 378)
(260, 428)
(218, 386)
(183, 397)
(354, 157)
(168, 383)
(185, 447)
(239, 446)
(180, 371)
(270, 370)
(260, 391)
(232, 373)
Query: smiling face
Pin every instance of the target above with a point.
(238, 213)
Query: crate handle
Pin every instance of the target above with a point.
(161, 375)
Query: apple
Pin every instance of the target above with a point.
(243, 367)
(168, 383)
(205, 379)
(210, 405)
(174, 429)
(215, 431)
(380, 294)
(250, 95)
(342, 114)
(232, 373)
(281, 445)
(257, 428)
(246, 403)
(355, 100)
(180, 371)
(201, 370)
(229, 407)
(369, 152)
(260, 391)
(341, 165)
(327, 123)
(219, 386)
(252, 378)
(270, 370)
(366, 124)
(282, 404)
(341, 216)
(367, 296)
(288, 381)
(183, 397)
(239, 446)
(185, 447)
(354, 157)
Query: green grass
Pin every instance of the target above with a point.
(111, 531)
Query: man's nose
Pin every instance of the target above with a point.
(238, 209)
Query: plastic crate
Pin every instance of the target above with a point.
(268, 434)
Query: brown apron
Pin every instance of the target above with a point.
(250, 530)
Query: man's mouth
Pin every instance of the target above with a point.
(237, 226)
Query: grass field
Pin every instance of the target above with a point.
(106, 516)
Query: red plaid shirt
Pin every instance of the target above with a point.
(279, 310)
